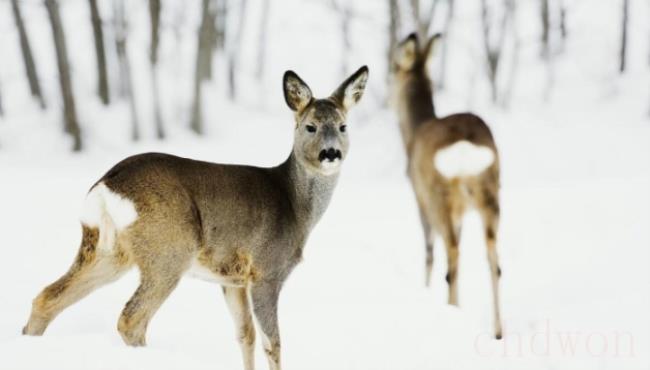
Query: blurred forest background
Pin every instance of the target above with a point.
(159, 65)
(563, 84)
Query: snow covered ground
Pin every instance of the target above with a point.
(574, 241)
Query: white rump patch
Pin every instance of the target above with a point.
(463, 158)
(103, 205)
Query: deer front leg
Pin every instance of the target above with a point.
(237, 302)
(428, 246)
(265, 306)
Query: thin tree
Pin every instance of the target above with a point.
(154, 14)
(261, 48)
(624, 22)
(563, 29)
(2, 110)
(178, 23)
(394, 26)
(509, 85)
(233, 58)
(121, 32)
(203, 52)
(211, 35)
(28, 58)
(344, 8)
(442, 83)
(493, 50)
(69, 112)
(222, 13)
(102, 77)
(546, 28)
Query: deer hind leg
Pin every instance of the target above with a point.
(489, 209)
(451, 238)
(237, 302)
(450, 229)
(428, 248)
(90, 270)
(265, 306)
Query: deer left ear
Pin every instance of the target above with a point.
(351, 90)
(296, 92)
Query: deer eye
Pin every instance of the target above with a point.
(343, 128)
(311, 128)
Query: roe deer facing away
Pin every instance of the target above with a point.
(243, 227)
(452, 164)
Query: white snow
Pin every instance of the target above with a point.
(462, 158)
(573, 242)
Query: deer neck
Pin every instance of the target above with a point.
(309, 192)
(415, 107)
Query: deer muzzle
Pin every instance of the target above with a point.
(330, 154)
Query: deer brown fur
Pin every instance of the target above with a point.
(443, 197)
(245, 227)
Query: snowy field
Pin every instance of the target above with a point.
(574, 241)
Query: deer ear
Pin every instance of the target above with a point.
(431, 45)
(296, 92)
(406, 53)
(351, 90)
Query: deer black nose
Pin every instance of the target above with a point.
(331, 154)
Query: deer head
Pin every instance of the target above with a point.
(321, 138)
(409, 64)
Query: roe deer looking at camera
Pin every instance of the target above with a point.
(452, 164)
(243, 227)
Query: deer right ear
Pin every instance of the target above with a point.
(429, 48)
(406, 52)
(296, 92)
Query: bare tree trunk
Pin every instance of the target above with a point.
(2, 109)
(445, 46)
(493, 52)
(623, 52)
(563, 30)
(393, 31)
(346, 19)
(492, 57)
(28, 58)
(222, 12)
(121, 32)
(514, 66)
(346, 13)
(261, 49)
(154, 13)
(70, 115)
(233, 59)
(546, 26)
(203, 52)
(211, 36)
(102, 78)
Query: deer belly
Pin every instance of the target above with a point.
(235, 271)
